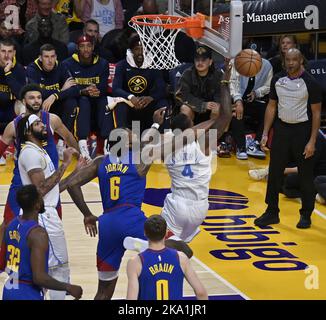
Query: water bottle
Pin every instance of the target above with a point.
(92, 146)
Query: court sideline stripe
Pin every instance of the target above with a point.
(217, 276)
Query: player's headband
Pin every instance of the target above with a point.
(31, 119)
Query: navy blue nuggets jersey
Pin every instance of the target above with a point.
(161, 277)
(120, 183)
(18, 262)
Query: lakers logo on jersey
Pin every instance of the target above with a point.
(137, 84)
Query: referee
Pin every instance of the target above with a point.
(295, 102)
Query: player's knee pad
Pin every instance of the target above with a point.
(107, 275)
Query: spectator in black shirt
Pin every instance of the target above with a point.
(31, 51)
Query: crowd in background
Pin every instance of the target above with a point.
(81, 51)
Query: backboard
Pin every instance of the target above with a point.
(223, 22)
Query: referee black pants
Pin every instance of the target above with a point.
(289, 141)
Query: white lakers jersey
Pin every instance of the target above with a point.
(33, 157)
(190, 172)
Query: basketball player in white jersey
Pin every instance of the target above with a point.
(36, 167)
(185, 208)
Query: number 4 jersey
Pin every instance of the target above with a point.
(190, 172)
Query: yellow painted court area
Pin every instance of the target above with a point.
(231, 254)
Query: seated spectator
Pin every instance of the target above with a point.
(144, 87)
(92, 29)
(107, 13)
(91, 75)
(130, 8)
(250, 96)
(286, 42)
(199, 89)
(68, 9)
(59, 89)
(12, 79)
(60, 30)
(31, 50)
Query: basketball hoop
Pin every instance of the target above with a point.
(157, 34)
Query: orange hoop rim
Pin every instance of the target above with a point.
(175, 22)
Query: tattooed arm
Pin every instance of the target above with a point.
(34, 168)
(74, 183)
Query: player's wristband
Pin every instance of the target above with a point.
(155, 125)
(130, 96)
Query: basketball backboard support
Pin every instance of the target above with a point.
(223, 22)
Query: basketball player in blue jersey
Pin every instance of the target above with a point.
(158, 272)
(27, 250)
(31, 96)
(122, 187)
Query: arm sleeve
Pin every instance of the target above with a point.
(16, 79)
(217, 84)
(273, 93)
(104, 75)
(73, 91)
(265, 89)
(235, 91)
(61, 29)
(158, 89)
(117, 85)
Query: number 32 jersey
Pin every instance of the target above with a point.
(190, 172)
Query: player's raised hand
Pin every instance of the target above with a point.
(158, 116)
(75, 291)
(90, 225)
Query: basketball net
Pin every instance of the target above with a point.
(158, 41)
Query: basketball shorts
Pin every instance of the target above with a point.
(114, 226)
(183, 216)
(23, 292)
(51, 222)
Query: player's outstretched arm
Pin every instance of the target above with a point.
(38, 242)
(192, 278)
(36, 175)
(133, 272)
(74, 189)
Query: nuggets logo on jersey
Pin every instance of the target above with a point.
(137, 84)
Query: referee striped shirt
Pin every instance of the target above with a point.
(295, 96)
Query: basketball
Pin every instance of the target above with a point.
(248, 62)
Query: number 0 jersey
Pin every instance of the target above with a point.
(161, 277)
(120, 182)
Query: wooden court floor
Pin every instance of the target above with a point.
(233, 258)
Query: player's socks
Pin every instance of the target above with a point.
(135, 244)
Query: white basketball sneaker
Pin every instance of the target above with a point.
(258, 174)
(135, 244)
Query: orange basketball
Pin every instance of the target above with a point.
(248, 62)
